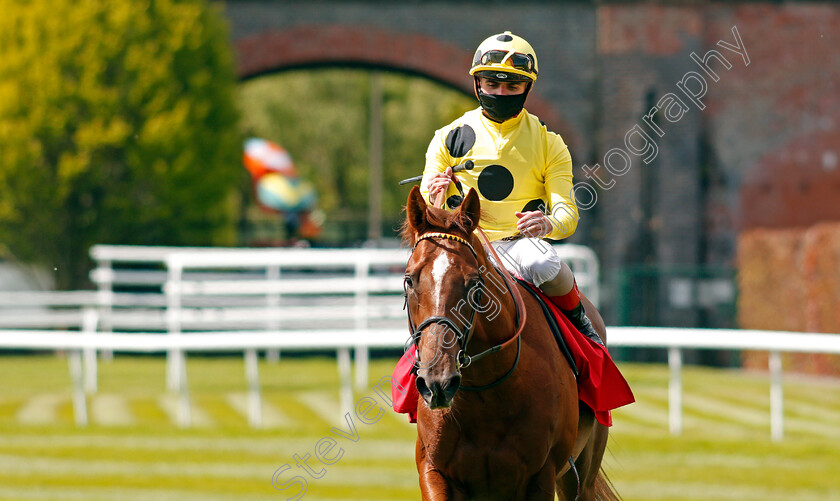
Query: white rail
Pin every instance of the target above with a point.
(356, 279)
(582, 260)
(239, 288)
(672, 339)
(89, 342)
(675, 340)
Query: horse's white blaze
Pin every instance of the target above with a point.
(439, 268)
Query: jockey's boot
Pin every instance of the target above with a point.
(571, 305)
(581, 322)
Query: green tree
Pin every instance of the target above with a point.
(117, 125)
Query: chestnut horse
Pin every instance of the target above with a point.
(509, 425)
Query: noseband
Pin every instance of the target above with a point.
(463, 335)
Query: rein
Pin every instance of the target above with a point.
(464, 335)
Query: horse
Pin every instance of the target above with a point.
(501, 419)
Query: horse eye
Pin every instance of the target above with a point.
(408, 281)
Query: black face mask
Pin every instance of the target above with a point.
(501, 108)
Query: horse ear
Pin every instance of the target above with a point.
(470, 211)
(415, 209)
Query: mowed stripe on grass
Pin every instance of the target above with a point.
(134, 450)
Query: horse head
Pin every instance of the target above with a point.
(442, 277)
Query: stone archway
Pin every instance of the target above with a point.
(422, 55)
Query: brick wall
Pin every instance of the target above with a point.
(790, 280)
(653, 213)
(435, 40)
(776, 124)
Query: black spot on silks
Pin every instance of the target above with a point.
(460, 140)
(504, 38)
(535, 204)
(495, 182)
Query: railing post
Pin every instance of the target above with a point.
(252, 374)
(79, 400)
(346, 391)
(105, 289)
(362, 274)
(777, 409)
(675, 418)
(272, 273)
(184, 407)
(90, 319)
(173, 287)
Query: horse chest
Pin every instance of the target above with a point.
(490, 473)
(496, 458)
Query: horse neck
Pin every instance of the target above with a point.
(498, 323)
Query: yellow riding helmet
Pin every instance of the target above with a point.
(505, 55)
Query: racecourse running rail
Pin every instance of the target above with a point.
(280, 299)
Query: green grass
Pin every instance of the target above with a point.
(133, 450)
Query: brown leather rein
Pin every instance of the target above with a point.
(522, 314)
(465, 360)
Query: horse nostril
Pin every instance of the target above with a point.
(451, 387)
(422, 387)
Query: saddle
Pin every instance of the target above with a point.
(600, 384)
(552, 322)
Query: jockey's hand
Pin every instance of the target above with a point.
(438, 184)
(533, 224)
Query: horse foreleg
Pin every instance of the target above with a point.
(433, 487)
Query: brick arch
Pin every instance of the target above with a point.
(344, 45)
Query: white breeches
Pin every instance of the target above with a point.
(533, 259)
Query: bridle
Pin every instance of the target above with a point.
(464, 334)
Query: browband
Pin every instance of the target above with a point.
(447, 236)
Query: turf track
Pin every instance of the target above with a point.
(134, 451)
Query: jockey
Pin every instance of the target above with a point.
(522, 173)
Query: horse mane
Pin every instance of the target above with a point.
(436, 219)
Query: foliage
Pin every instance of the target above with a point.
(322, 116)
(117, 125)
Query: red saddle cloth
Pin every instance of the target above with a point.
(600, 384)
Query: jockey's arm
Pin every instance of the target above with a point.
(437, 175)
(563, 212)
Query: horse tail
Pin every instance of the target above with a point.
(604, 488)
